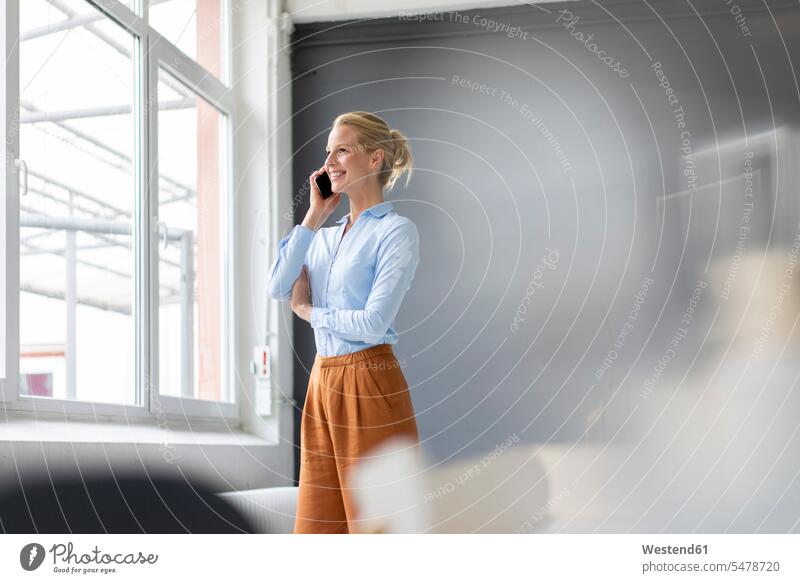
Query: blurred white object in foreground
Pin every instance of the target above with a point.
(398, 491)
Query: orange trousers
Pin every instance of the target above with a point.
(354, 402)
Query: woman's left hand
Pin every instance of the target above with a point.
(301, 296)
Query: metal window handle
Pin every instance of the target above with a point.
(20, 163)
(162, 232)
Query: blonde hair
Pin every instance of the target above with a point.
(375, 134)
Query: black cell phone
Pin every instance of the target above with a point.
(324, 183)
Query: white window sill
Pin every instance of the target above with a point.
(17, 428)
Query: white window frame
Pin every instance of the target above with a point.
(198, 80)
(151, 52)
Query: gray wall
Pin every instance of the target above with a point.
(491, 194)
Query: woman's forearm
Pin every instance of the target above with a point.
(301, 296)
(303, 311)
(313, 220)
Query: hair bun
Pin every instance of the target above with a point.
(376, 133)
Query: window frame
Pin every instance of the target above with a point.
(208, 87)
(151, 51)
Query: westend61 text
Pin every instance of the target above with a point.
(671, 550)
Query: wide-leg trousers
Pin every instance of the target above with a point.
(354, 402)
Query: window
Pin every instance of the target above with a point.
(76, 286)
(117, 268)
(196, 27)
(191, 195)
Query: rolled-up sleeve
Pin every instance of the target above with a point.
(398, 256)
(287, 265)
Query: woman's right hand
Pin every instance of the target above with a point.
(320, 208)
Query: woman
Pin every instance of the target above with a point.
(348, 282)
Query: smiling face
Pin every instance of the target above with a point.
(350, 166)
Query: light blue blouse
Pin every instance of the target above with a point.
(357, 282)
